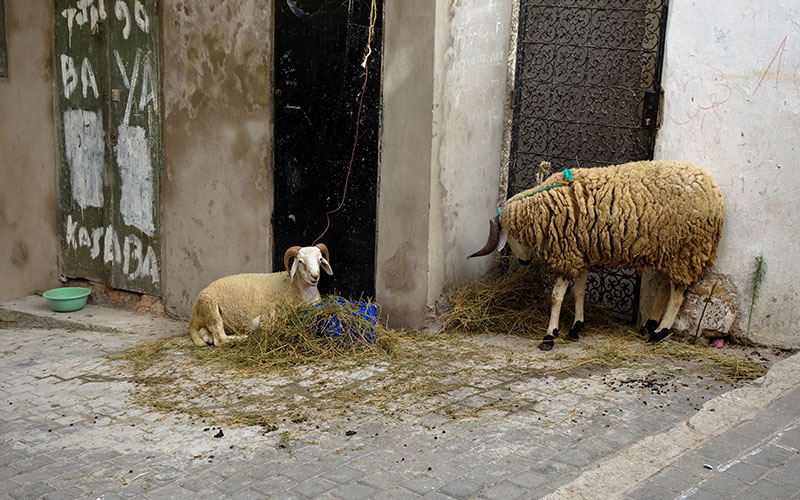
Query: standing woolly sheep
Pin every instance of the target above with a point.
(239, 303)
(661, 215)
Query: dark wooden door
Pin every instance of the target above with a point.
(587, 92)
(319, 49)
(108, 115)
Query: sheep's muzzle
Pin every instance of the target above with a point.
(494, 239)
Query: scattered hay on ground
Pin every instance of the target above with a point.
(517, 301)
(286, 375)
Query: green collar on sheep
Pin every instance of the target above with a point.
(567, 178)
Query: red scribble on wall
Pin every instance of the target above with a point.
(719, 95)
(779, 56)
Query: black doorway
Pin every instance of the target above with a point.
(319, 49)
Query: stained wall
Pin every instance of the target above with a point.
(732, 104)
(28, 225)
(217, 183)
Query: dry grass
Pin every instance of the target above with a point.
(517, 301)
(293, 339)
(286, 374)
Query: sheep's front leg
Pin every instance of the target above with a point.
(559, 289)
(579, 291)
(670, 313)
(660, 301)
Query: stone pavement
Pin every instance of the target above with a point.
(69, 429)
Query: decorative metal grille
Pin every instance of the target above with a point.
(587, 83)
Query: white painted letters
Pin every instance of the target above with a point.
(122, 13)
(87, 78)
(148, 87)
(96, 234)
(68, 75)
(137, 260)
(111, 249)
(140, 15)
(70, 233)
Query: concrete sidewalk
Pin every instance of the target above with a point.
(71, 429)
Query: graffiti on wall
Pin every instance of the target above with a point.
(122, 236)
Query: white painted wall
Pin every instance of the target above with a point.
(732, 104)
(470, 70)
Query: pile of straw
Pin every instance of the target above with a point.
(296, 336)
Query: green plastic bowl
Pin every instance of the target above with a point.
(67, 299)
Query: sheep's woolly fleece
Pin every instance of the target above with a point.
(242, 297)
(663, 215)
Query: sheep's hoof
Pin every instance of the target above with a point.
(549, 341)
(575, 331)
(648, 328)
(660, 335)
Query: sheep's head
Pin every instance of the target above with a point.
(497, 240)
(307, 263)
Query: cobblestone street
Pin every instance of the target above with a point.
(71, 429)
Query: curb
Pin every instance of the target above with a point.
(32, 311)
(622, 473)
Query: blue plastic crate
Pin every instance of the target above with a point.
(333, 327)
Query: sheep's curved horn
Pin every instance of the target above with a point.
(494, 239)
(289, 255)
(324, 250)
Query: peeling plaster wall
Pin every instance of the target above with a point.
(28, 223)
(469, 119)
(732, 104)
(444, 87)
(217, 183)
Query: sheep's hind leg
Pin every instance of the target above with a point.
(670, 313)
(201, 337)
(579, 291)
(559, 289)
(657, 308)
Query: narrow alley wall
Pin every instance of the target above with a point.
(732, 104)
(28, 224)
(217, 183)
(444, 87)
(469, 112)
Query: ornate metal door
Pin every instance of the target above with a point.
(587, 93)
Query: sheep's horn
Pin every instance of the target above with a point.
(324, 250)
(494, 239)
(289, 255)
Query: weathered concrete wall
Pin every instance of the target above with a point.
(217, 183)
(402, 265)
(444, 95)
(470, 81)
(732, 104)
(28, 224)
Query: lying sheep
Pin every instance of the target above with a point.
(663, 215)
(238, 303)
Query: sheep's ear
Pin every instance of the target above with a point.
(503, 239)
(325, 266)
(293, 270)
